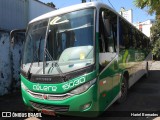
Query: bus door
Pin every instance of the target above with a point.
(109, 78)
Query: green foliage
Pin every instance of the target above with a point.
(156, 48)
(155, 37)
(151, 5)
(83, 1)
(51, 4)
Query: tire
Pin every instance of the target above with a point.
(124, 91)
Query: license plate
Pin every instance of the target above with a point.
(48, 112)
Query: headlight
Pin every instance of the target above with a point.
(83, 87)
(23, 86)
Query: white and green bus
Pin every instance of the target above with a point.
(81, 59)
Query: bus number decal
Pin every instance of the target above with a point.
(73, 83)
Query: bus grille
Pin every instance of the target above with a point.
(49, 96)
(56, 108)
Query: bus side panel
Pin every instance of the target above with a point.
(133, 50)
(109, 84)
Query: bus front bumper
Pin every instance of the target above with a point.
(84, 104)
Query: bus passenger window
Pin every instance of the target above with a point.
(107, 36)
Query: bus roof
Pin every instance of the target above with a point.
(70, 9)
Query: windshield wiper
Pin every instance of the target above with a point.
(29, 70)
(34, 55)
(39, 50)
(55, 64)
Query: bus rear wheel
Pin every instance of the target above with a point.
(124, 91)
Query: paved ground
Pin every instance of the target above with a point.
(155, 65)
(143, 96)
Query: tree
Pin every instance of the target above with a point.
(151, 5)
(155, 37)
(51, 4)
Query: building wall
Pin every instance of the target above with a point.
(127, 14)
(146, 29)
(5, 63)
(145, 26)
(13, 14)
(37, 8)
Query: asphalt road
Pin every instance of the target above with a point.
(142, 96)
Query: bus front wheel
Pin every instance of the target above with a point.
(124, 90)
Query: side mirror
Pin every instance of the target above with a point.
(13, 34)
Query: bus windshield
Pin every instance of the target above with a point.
(60, 44)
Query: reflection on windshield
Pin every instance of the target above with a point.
(34, 44)
(69, 43)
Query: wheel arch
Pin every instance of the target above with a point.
(126, 75)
